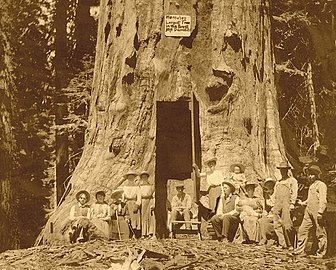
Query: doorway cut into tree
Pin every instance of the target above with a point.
(174, 150)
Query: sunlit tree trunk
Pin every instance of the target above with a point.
(227, 62)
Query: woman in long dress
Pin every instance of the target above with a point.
(251, 209)
(147, 192)
(100, 215)
(132, 198)
(214, 178)
(79, 218)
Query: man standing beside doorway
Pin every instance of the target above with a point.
(181, 205)
(313, 216)
(285, 195)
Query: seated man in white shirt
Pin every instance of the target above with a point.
(181, 205)
(226, 220)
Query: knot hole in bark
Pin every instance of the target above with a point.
(107, 30)
(219, 84)
(118, 30)
(247, 122)
(187, 41)
(232, 38)
(131, 61)
(115, 146)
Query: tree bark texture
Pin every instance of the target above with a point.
(227, 62)
(61, 110)
(9, 235)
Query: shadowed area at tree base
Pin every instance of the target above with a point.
(182, 253)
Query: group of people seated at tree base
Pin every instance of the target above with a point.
(131, 212)
(247, 211)
(240, 210)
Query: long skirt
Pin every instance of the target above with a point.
(214, 193)
(134, 215)
(147, 218)
(102, 227)
(252, 228)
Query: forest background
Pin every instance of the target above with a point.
(46, 73)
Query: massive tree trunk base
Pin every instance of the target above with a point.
(227, 62)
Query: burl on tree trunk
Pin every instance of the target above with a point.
(143, 80)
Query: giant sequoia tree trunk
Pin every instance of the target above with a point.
(142, 86)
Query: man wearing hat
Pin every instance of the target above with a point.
(214, 179)
(226, 220)
(316, 204)
(79, 218)
(285, 195)
(181, 205)
(266, 222)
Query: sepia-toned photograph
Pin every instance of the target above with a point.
(167, 134)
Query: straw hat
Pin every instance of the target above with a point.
(230, 184)
(241, 167)
(81, 192)
(284, 165)
(206, 162)
(314, 169)
(144, 173)
(251, 183)
(116, 194)
(130, 173)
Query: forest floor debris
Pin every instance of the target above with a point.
(168, 254)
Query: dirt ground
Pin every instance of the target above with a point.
(181, 253)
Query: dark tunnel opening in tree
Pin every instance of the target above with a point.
(173, 151)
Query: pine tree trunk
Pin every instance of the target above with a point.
(139, 72)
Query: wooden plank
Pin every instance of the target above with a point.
(185, 222)
(185, 231)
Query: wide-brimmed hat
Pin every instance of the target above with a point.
(144, 173)
(81, 192)
(130, 173)
(251, 183)
(284, 165)
(230, 184)
(241, 167)
(314, 169)
(117, 194)
(100, 192)
(207, 161)
(178, 186)
(269, 180)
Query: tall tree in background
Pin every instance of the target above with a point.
(26, 101)
(9, 231)
(227, 62)
(61, 111)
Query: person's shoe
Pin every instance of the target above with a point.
(153, 237)
(299, 255)
(316, 256)
(262, 242)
